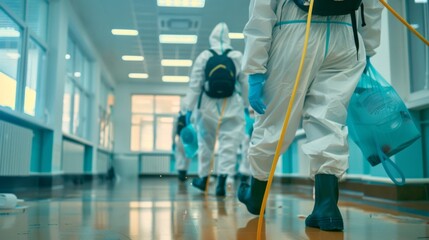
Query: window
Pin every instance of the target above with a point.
(10, 56)
(36, 66)
(23, 69)
(37, 17)
(77, 91)
(152, 118)
(105, 120)
(16, 6)
(418, 16)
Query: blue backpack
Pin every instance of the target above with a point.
(220, 75)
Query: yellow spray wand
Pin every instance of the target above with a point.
(213, 153)
(286, 122)
(402, 20)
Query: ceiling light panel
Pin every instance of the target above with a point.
(233, 35)
(138, 75)
(132, 58)
(176, 63)
(181, 3)
(178, 39)
(125, 32)
(175, 78)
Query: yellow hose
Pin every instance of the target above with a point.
(213, 153)
(402, 20)
(285, 123)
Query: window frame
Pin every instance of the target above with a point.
(420, 98)
(155, 116)
(83, 85)
(21, 78)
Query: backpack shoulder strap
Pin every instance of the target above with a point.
(213, 52)
(225, 53)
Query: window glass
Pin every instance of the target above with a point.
(16, 6)
(36, 65)
(105, 121)
(142, 103)
(76, 110)
(10, 55)
(78, 63)
(164, 133)
(86, 73)
(146, 135)
(167, 104)
(418, 16)
(70, 57)
(153, 130)
(67, 101)
(83, 130)
(79, 76)
(38, 17)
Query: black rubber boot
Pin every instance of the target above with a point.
(182, 175)
(220, 188)
(326, 215)
(252, 195)
(200, 183)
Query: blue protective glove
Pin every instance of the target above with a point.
(256, 85)
(188, 117)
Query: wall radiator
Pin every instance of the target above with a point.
(15, 149)
(154, 163)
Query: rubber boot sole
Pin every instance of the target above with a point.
(326, 224)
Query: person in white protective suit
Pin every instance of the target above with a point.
(182, 162)
(244, 166)
(274, 38)
(208, 110)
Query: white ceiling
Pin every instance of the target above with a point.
(100, 16)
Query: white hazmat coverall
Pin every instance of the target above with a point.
(182, 162)
(206, 116)
(275, 36)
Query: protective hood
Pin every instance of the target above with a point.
(219, 39)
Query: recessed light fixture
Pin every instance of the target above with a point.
(132, 58)
(181, 3)
(125, 32)
(175, 78)
(178, 39)
(176, 63)
(77, 74)
(68, 56)
(138, 75)
(233, 35)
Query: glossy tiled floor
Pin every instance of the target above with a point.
(162, 208)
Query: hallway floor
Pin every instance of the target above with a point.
(163, 208)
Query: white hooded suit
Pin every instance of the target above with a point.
(274, 42)
(207, 114)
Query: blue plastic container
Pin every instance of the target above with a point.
(188, 135)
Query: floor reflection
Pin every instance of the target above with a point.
(249, 232)
(165, 209)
